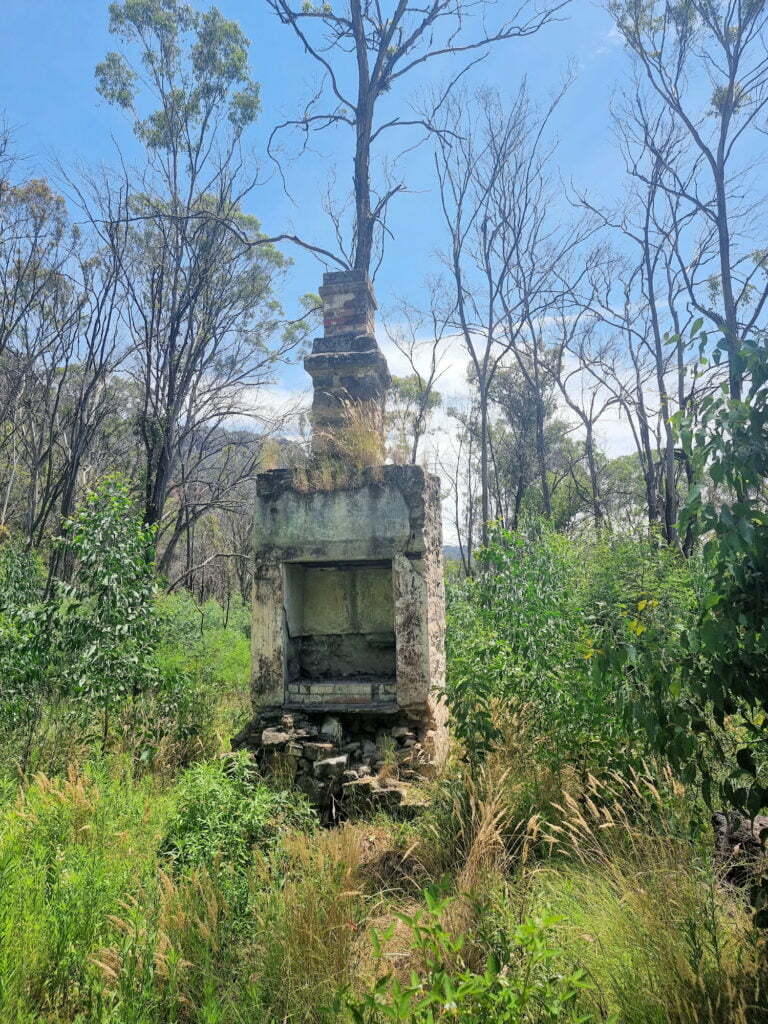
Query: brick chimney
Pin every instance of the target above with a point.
(348, 371)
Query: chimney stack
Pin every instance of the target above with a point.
(348, 371)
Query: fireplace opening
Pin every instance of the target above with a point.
(340, 626)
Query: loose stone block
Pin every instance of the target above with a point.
(315, 751)
(331, 767)
(401, 732)
(274, 738)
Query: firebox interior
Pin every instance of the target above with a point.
(340, 621)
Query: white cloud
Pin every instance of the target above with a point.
(274, 408)
(609, 41)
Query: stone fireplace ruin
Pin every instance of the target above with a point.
(348, 598)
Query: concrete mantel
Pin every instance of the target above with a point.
(374, 514)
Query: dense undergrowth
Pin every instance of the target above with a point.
(562, 871)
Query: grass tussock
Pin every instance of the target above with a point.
(644, 911)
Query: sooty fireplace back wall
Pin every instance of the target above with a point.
(340, 622)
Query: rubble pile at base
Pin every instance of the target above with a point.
(344, 760)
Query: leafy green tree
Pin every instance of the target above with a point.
(195, 64)
(91, 642)
(199, 274)
(21, 577)
(725, 675)
(105, 616)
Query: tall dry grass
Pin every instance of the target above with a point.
(479, 818)
(305, 941)
(644, 911)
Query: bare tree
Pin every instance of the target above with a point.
(373, 45)
(513, 442)
(506, 246)
(64, 354)
(458, 471)
(706, 66)
(579, 354)
(102, 348)
(645, 298)
(421, 339)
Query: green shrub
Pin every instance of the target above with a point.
(571, 635)
(179, 618)
(104, 616)
(223, 814)
(30, 669)
(23, 644)
(523, 988)
(171, 724)
(640, 596)
(22, 577)
(514, 631)
(103, 661)
(520, 639)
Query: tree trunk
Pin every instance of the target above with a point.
(731, 325)
(159, 467)
(484, 480)
(594, 480)
(541, 455)
(519, 492)
(363, 131)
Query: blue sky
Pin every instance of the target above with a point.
(49, 48)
